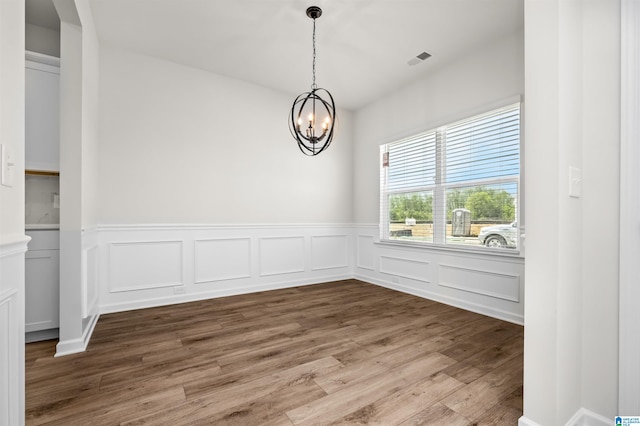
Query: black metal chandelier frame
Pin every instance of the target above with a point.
(310, 140)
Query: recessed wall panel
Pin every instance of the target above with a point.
(282, 255)
(329, 251)
(487, 283)
(364, 255)
(413, 269)
(7, 367)
(145, 265)
(222, 259)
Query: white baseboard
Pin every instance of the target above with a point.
(582, 417)
(142, 266)
(458, 303)
(40, 335)
(192, 297)
(73, 346)
(523, 421)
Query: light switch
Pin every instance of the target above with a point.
(575, 182)
(8, 165)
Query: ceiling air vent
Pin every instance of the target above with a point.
(421, 57)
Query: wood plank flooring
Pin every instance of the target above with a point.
(340, 353)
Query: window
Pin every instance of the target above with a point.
(455, 185)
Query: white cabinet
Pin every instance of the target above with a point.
(42, 112)
(42, 285)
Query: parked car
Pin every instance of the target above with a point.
(499, 235)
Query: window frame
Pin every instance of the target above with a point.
(440, 189)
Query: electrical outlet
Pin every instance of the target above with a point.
(179, 290)
(8, 165)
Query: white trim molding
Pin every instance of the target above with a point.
(12, 330)
(500, 286)
(418, 270)
(73, 346)
(629, 316)
(222, 259)
(42, 58)
(195, 262)
(219, 261)
(523, 421)
(147, 264)
(281, 255)
(582, 417)
(491, 285)
(13, 247)
(330, 251)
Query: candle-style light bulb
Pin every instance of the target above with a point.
(325, 125)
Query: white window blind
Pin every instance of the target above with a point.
(444, 186)
(414, 163)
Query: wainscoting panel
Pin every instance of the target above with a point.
(8, 343)
(492, 284)
(488, 283)
(282, 255)
(150, 265)
(144, 265)
(329, 251)
(418, 270)
(12, 329)
(364, 255)
(222, 259)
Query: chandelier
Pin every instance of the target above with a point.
(312, 134)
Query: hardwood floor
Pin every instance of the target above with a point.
(337, 353)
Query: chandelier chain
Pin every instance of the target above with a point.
(313, 85)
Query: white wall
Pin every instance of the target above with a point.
(12, 116)
(199, 177)
(42, 40)
(78, 178)
(13, 243)
(182, 149)
(70, 185)
(484, 283)
(90, 116)
(629, 352)
(469, 86)
(181, 145)
(601, 160)
(572, 119)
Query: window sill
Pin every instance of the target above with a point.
(439, 248)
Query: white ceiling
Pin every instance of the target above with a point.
(363, 46)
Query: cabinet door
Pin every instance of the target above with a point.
(42, 290)
(42, 117)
